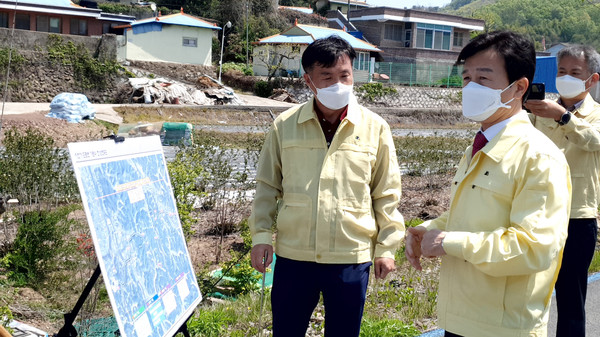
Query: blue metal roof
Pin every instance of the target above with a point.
(180, 19)
(305, 34)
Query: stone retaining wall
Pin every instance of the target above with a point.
(406, 97)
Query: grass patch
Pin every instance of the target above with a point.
(595, 265)
(196, 115)
(107, 125)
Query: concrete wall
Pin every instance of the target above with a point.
(104, 47)
(167, 45)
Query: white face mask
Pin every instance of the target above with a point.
(480, 102)
(335, 96)
(569, 86)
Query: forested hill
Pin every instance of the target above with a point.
(571, 21)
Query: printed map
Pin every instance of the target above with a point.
(137, 235)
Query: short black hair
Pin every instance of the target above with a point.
(517, 51)
(326, 52)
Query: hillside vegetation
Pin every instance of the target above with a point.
(556, 21)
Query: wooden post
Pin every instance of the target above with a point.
(3, 332)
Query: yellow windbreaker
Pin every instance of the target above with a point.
(333, 205)
(507, 225)
(580, 142)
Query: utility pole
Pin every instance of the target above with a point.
(348, 12)
(247, 25)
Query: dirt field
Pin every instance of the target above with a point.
(423, 197)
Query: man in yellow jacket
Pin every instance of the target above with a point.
(503, 236)
(328, 177)
(573, 124)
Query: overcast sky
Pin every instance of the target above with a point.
(408, 3)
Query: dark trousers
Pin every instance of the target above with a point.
(297, 286)
(571, 285)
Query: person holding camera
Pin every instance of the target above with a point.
(573, 124)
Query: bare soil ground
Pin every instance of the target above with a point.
(423, 197)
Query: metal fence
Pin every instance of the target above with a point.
(420, 74)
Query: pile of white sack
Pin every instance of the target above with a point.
(72, 107)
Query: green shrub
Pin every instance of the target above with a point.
(245, 278)
(6, 317)
(212, 322)
(33, 170)
(90, 72)
(39, 241)
(371, 91)
(16, 60)
(422, 155)
(263, 89)
(185, 171)
(241, 67)
(387, 328)
(451, 81)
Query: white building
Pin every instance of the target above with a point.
(178, 38)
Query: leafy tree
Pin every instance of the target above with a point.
(555, 21)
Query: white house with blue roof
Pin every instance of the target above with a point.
(178, 38)
(284, 51)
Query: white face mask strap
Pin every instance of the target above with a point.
(506, 105)
(585, 82)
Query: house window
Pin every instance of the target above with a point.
(107, 28)
(22, 21)
(458, 39)
(3, 19)
(407, 38)
(393, 32)
(47, 24)
(432, 36)
(79, 27)
(190, 42)
(361, 62)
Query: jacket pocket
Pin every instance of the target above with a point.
(355, 229)
(475, 295)
(294, 221)
(356, 162)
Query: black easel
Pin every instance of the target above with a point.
(68, 330)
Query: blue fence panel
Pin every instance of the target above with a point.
(545, 72)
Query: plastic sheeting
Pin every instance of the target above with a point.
(72, 107)
(160, 90)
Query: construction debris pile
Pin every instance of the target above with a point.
(206, 91)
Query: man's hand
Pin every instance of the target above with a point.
(545, 108)
(431, 245)
(414, 236)
(257, 256)
(383, 265)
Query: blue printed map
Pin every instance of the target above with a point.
(137, 234)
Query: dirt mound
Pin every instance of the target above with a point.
(60, 130)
